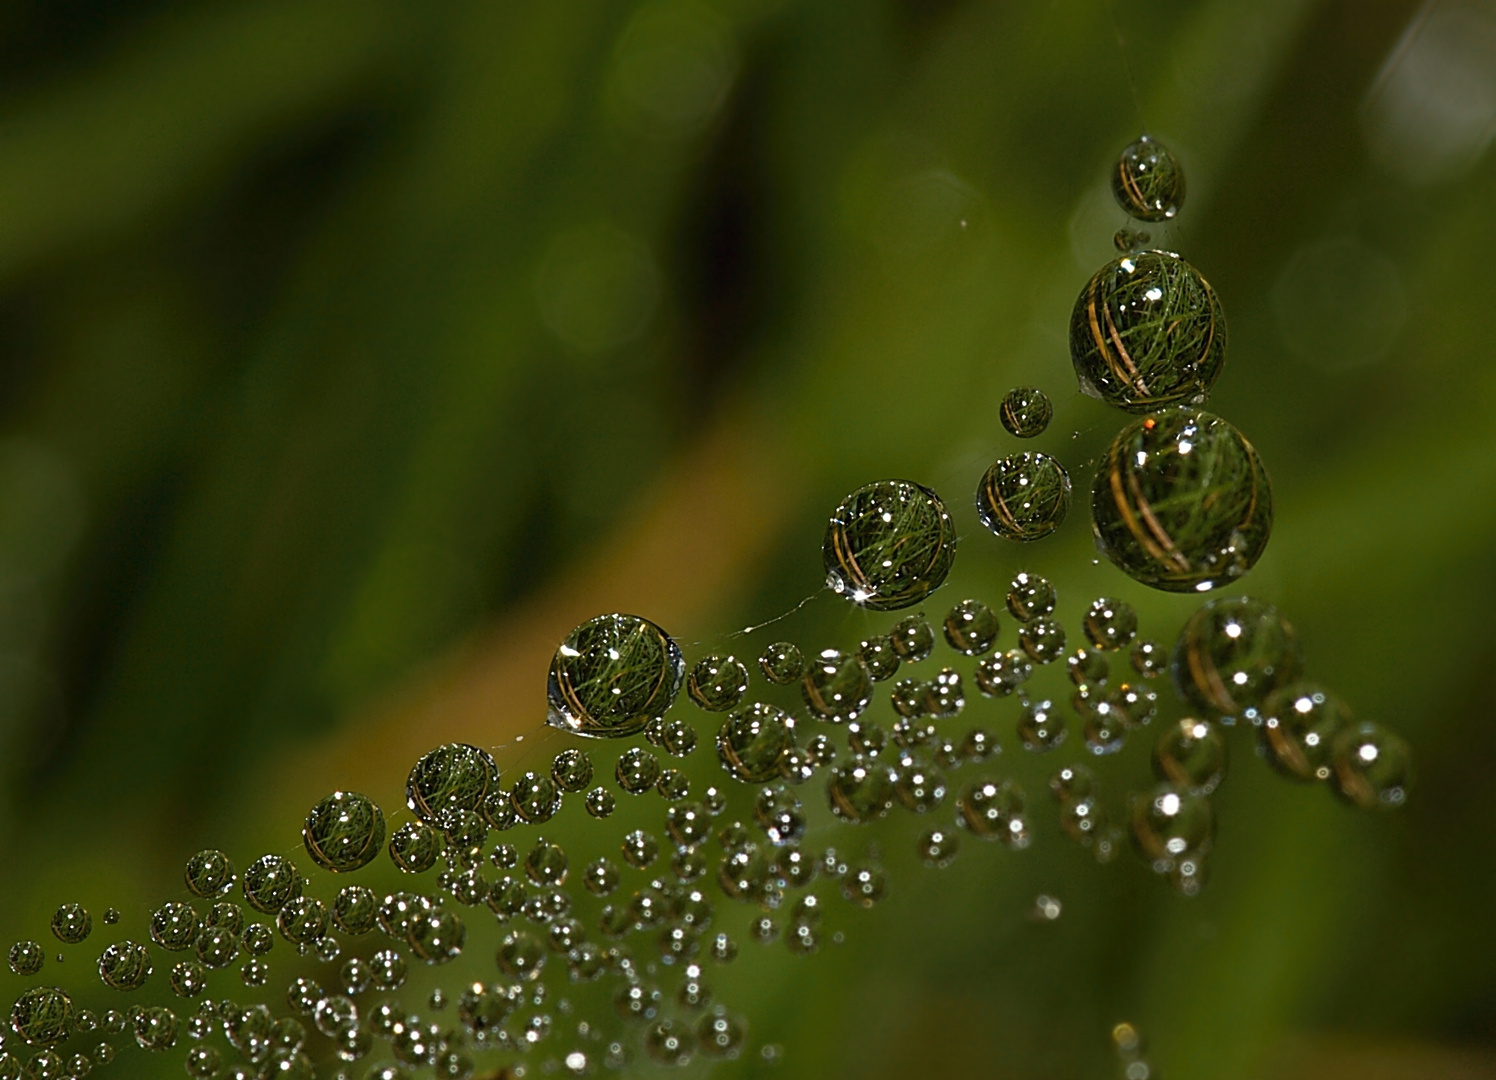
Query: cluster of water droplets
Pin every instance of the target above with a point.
(590, 958)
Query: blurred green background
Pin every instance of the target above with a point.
(350, 353)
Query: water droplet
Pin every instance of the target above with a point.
(571, 769)
(637, 770)
(1040, 726)
(1083, 820)
(414, 847)
(188, 978)
(71, 923)
(1148, 183)
(612, 676)
(27, 957)
(174, 927)
(678, 738)
(1026, 411)
(354, 909)
(718, 683)
(864, 885)
(343, 832)
(670, 1043)
(779, 814)
(861, 790)
(125, 965)
(1103, 730)
(879, 656)
(889, 545)
(155, 1028)
(1030, 597)
(994, 810)
(1127, 240)
(1148, 659)
(1147, 332)
(1110, 624)
(303, 920)
(945, 696)
(255, 972)
(202, 1062)
(1043, 640)
(1046, 908)
(1299, 726)
(436, 937)
(387, 969)
(688, 824)
(1371, 767)
(1232, 654)
(836, 686)
(1088, 669)
(600, 802)
(208, 873)
(535, 798)
(1002, 673)
(217, 946)
(918, 786)
(971, 627)
(1191, 756)
(640, 849)
(455, 776)
(1171, 826)
(752, 740)
(908, 697)
(721, 1035)
(782, 663)
(1072, 782)
(42, 1016)
(1182, 502)
(1024, 496)
(111, 915)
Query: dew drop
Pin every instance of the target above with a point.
(1148, 182)
(782, 663)
(888, 545)
(71, 923)
(612, 676)
(1181, 502)
(1190, 755)
(1232, 654)
(836, 686)
(571, 769)
(752, 741)
(1024, 496)
(1147, 332)
(717, 683)
(343, 832)
(971, 628)
(1026, 411)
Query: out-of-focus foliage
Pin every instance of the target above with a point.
(333, 335)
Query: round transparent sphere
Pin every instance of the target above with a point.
(612, 676)
(1232, 654)
(1181, 502)
(1147, 332)
(888, 545)
(1024, 496)
(1148, 182)
(1026, 411)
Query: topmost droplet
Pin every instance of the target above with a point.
(889, 545)
(1149, 181)
(612, 676)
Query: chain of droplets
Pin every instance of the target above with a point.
(1179, 503)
